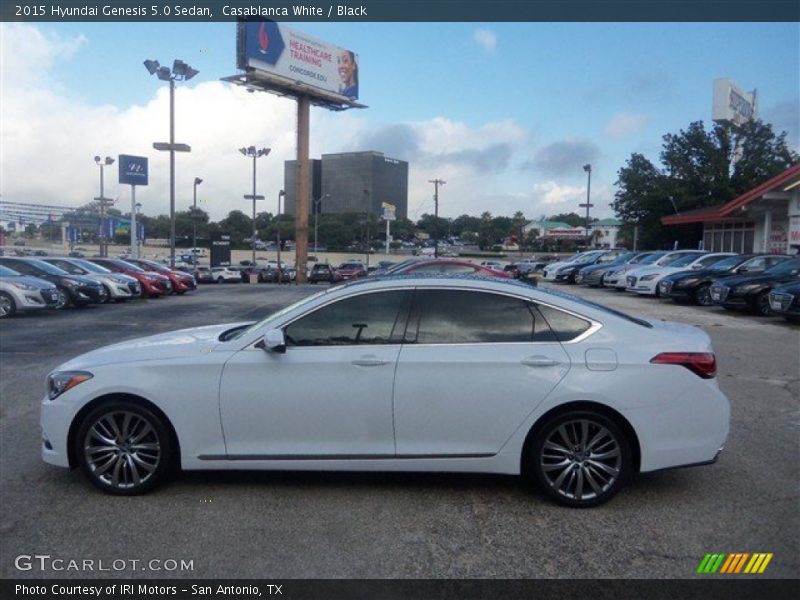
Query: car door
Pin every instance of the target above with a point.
(474, 365)
(330, 394)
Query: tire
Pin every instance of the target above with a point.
(599, 479)
(62, 301)
(703, 295)
(761, 304)
(114, 464)
(7, 306)
(220, 281)
(108, 299)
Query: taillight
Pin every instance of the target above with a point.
(703, 364)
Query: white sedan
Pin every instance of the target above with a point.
(458, 374)
(645, 280)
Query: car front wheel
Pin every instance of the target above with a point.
(703, 295)
(580, 458)
(7, 306)
(761, 304)
(123, 448)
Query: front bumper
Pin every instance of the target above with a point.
(636, 285)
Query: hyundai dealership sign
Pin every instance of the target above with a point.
(279, 51)
(132, 169)
(731, 103)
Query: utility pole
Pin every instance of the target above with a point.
(251, 151)
(197, 181)
(369, 215)
(436, 183)
(588, 205)
(317, 208)
(281, 194)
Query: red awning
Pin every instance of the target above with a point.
(716, 213)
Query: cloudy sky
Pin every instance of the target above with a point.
(507, 114)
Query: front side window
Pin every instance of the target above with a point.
(377, 318)
(467, 317)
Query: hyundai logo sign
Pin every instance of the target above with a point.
(132, 169)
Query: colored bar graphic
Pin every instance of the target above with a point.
(734, 563)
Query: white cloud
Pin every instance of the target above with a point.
(486, 39)
(623, 124)
(215, 119)
(551, 193)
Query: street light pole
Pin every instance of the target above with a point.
(197, 181)
(317, 208)
(255, 154)
(281, 194)
(183, 72)
(369, 214)
(436, 183)
(104, 202)
(588, 205)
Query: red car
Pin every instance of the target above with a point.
(153, 284)
(351, 270)
(181, 282)
(437, 265)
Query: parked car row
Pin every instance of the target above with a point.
(58, 281)
(760, 283)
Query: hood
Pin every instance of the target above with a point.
(30, 280)
(163, 346)
(738, 280)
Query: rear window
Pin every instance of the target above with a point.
(605, 309)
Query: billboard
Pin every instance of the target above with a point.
(388, 211)
(731, 103)
(132, 169)
(283, 52)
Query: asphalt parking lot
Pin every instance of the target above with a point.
(292, 525)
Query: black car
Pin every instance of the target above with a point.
(593, 275)
(569, 272)
(785, 301)
(78, 289)
(263, 273)
(695, 286)
(323, 272)
(752, 291)
(203, 275)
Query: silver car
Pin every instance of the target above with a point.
(118, 286)
(22, 292)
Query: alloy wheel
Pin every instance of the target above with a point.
(581, 458)
(6, 306)
(703, 295)
(122, 450)
(61, 300)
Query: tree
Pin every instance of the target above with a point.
(699, 168)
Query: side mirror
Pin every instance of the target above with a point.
(697, 267)
(273, 341)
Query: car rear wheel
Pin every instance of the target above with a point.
(123, 448)
(761, 304)
(7, 306)
(220, 280)
(703, 295)
(580, 458)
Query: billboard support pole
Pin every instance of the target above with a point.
(301, 187)
(388, 235)
(134, 245)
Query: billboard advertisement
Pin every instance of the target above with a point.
(280, 51)
(132, 169)
(388, 211)
(732, 103)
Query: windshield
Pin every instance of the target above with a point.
(726, 264)
(130, 266)
(276, 314)
(6, 272)
(787, 267)
(669, 259)
(651, 258)
(90, 266)
(585, 258)
(68, 267)
(685, 259)
(48, 268)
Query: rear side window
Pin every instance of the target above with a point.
(564, 326)
(377, 318)
(468, 317)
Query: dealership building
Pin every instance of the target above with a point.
(352, 182)
(764, 219)
(604, 233)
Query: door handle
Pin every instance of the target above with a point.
(369, 361)
(539, 361)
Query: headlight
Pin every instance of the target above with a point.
(23, 286)
(70, 282)
(61, 381)
(650, 277)
(687, 281)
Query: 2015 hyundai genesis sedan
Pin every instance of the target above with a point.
(398, 374)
